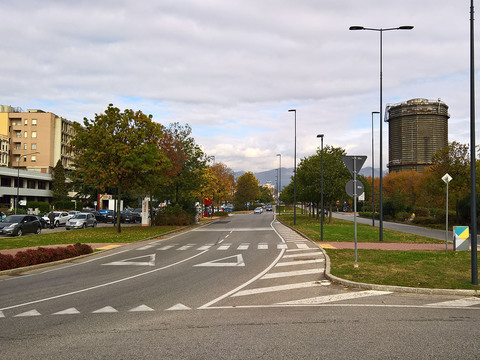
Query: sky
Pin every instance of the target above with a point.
(232, 69)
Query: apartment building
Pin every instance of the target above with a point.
(37, 139)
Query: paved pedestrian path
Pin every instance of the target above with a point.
(383, 246)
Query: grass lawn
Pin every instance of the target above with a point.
(105, 235)
(344, 231)
(427, 269)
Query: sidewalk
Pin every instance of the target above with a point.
(383, 246)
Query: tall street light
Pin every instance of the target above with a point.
(381, 30)
(18, 177)
(373, 171)
(321, 188)
(295, 172)
(279, 180)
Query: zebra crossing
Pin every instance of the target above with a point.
(229, 246)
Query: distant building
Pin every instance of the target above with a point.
(35, 131)
(418, 128)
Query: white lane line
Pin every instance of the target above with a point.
(204, 247)
(470, 301)
(295, 250)
(103, 285)
(185, 247)
(224, 247)
(243, 247)
(276, 288)
(255, 278)
(336, 297)
(262, 246)
(292, 273)
(302, 246)
(146, 247)
(166, 247)
(234, 230)
(69, 311)
(300, 262)
(316, 253)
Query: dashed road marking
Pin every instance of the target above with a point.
(292, 273)
(105, 310)
(276, 288)
(470, 301)
(300, 262)
(336, 297)
(69, 311)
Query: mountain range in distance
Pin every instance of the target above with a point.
(270, 176)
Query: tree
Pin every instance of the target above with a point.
(218, 184)
(119, 149)
(247, 190)
(59, 184)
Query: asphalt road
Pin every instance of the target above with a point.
(245, 287)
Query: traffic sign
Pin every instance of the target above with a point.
(349, 188)
(354, 163)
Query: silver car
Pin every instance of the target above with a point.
(81, 221)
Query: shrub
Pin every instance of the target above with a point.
(172, 216)
(424, 220)
(422, 212)
(42, 255)
(402, 216)
(220, 213)
(42, 206)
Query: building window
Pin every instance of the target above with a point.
(18, 134)
(26, 122)
(25, 134)
(34, 134)
(17, 146)
(25, 146)
(34, 122)
(34, 145)
(33, 158)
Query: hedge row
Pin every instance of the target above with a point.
(42, 255)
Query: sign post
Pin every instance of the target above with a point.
(446, 178)
(354, 164)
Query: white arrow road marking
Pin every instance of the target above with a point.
(1, 314)
(337, 297)
(292, 273)
(179, 307)
(142, 308)
(29, 313)
(70, 311)
(470, 301)
(238, 261)
(106, 309)
(151, 262)
(276, 288)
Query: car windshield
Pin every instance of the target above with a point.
(80, 216)
(13, 219)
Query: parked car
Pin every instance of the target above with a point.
(61, 218)
(129, 217)
(269, 207)
(99, 216)
(73, 212)
(17, 225)
(42, 221)
(258, 210)
(81, 221)
(110, 216)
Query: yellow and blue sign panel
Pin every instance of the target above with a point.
(461, 241)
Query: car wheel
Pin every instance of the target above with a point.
(19, 232)
(39, 230)
(84, 226)
(57, 224)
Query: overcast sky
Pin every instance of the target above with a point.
(231, 69)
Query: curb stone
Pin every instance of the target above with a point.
(392, 288)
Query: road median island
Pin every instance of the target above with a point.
(403, 262)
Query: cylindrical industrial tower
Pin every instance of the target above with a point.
(418, 128)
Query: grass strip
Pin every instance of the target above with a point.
(105, 235)
(426, 269)
(339, 230)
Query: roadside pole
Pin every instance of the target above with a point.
(446, 178)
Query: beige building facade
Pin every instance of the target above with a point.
(37, 139)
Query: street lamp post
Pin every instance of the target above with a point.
(18, 178)
(295, 172)
(373, 173)
(321, 187)
(381, 30)
(279, 180)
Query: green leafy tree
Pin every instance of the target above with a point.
(59, 183)
(247, 190)
(120, 150)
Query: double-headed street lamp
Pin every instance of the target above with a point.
(295, 172)
(321, 187)
(381, 30)
(18, 177)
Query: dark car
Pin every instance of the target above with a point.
(17, 225)
(42, 221)
(99, 216)
(129, 217)
(110, 216)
